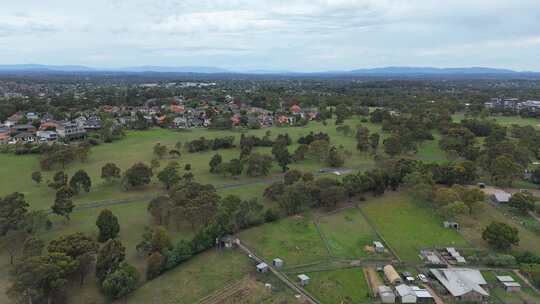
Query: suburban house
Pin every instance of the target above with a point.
(22, 129)
(70, 131)
(47, 135)
(24, 137)
(32, 116)
(4, 135)
(464, 284)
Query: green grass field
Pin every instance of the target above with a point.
(347, 232)
(407, 227)
(294, 239)
(339, 286)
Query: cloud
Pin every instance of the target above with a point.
(305, 35)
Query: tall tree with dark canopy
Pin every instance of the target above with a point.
(501, 235)
(63, 203)
(121, 282)
(80, 180)
(13, 211)
(110, 172)
(37, 177)
(108, 226)
(78, 246)
(138, 175)
(109, 257)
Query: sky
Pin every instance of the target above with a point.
(292, 35)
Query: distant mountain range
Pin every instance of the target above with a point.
(384, 71)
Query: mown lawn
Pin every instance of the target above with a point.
(295, 240)
(346, 233)
(339, 286)
(407, 227)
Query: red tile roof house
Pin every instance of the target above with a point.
(296, 109)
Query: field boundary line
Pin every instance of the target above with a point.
(368, 220)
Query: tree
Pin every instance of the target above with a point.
(41, 277)
(318, 149)
(109, 258)
(523, 201)
(60, 179)
(174, 153)
(295, 199)
(169, 176)
(215, 161)
(32, 247)
(504, 170)
(235, 167)
(13, 212)
(331, 196)
(454, 209)
(362, 139)
(159, 208)
(342, 112)
(80, 180)
(374, 139)
(110, 172)
(160, 151)
(155, 265)
(292, 176)
(335, 158)
(281, 155)
(63, 203)
(78, 246)
(501, 235)
(37, 177)
(121, 282)
(392, 146)
(258, 165)
(155, 240)
(108, 226)
(13, 242)
(138, 175)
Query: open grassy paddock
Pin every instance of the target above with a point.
(339, 286)
(408, 228)
(347, 233)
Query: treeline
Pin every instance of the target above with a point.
(203, 144)
(200, 205)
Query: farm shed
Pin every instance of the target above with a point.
(464, 284)
(500, 196)
(509, 284)
(277, 262)
(422, 295)
(304, 279)
(451, 225)
(379, 247)
(391, 274)
(386, 294)
(262, 267)
(406, 294)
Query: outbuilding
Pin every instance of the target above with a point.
(391, 274)
(386, 294)
(262, 267)
(379, 247)
(304, 279)
(406, 294)
(509, 284)
(277, 262)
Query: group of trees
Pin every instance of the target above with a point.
(43, 271)
(60, 154)
(203, 144)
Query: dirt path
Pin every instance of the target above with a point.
(435, 296)
(526, 280)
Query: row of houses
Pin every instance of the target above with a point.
(514, 104)
(49, 132)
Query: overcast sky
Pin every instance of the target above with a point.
(300, 35)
